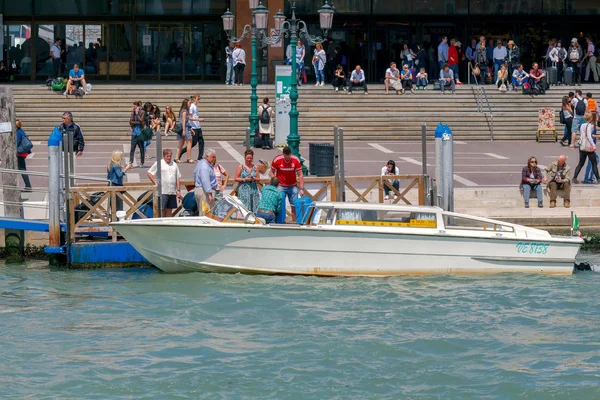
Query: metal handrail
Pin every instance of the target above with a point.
(35, 173)
(480, 96)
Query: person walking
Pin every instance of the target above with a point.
(567, 118)
(195, 127)
(171, 182)
(587, 148)
(239, 63)
(266, 118)
(185, 136)
(318, 61)
(590, 57)
(115, 174)
(205, 181)
(246, 176)
(24, 147)
(136, 123)
(229, 63)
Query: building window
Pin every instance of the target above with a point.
(506, 7)
(181, 7)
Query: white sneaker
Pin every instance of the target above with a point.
(349, 92)
(66, 94)
(395, 197)
(318, 84)
(386, 198)
(322, 83)
(366, 92)
(337, 89)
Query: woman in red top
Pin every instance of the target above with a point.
(453, 60)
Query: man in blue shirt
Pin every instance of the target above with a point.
(76, 79)
(205, 181)
(443, 52)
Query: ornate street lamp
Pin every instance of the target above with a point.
(293, 28)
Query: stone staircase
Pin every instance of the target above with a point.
(104, 114)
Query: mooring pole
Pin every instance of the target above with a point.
(424, 158)
(247, 142)
(342, 165)
(336, 163)
(159, 158)
(54, 142)
(67, 190)
(11, 194)
(438, 184)
(448, 168)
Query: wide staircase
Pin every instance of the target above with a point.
(104, 113)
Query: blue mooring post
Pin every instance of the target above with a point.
(438, 185)
(55, 245)
(448, 168)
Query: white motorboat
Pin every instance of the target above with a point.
(348, 239)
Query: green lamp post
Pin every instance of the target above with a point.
(294, 28)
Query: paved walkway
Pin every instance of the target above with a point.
(476, 163)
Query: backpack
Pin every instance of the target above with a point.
(265, 116)
(574, 54)
(580, 107)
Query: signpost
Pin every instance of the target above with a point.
(283, 83)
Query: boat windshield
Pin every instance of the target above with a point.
(230, 209)
(385, 218)
(459, 222)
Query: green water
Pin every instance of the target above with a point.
(141, 334)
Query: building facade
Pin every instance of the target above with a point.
(183, 40)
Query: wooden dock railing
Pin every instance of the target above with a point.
(101, 200)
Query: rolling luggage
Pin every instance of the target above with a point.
(552, 75)
(568, 76)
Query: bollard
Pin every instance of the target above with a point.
(448, 168)
(159, 158)
(438, 185)
(54, 158)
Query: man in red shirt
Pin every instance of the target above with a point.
(537, 76)
(288, 169)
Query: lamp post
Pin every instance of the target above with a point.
(292, 28)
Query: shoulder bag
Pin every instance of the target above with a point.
(584, 143)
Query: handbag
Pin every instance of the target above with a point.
(584, 143)
(146, 134)
(476, 71)
(178, 128)
(25, 146)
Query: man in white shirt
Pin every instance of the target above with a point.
(55, 53)
(519, 77)
(500, 55)
(171, 181)
(392, 75)
(357, 79)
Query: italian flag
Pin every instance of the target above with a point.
(576, 226)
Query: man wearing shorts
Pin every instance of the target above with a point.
(171, 178)
(288, 169)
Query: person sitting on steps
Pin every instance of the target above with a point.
(531, 179)
(557, 178)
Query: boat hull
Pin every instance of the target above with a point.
(313, 251)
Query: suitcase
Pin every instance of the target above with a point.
(552, 75)
(568, 76)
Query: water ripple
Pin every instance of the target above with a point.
(132, 334)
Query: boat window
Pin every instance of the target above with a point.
(453, 222)
(322, 216)
(226, 211)
(386, 218)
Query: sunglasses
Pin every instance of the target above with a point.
(533, 162)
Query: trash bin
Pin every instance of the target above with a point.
(321, 159)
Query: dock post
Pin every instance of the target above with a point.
(342, 165)
(13, 239)
(54, 159)
(159, 158)
(336, 164)
(438, 184)
(448, 168)
(67, 161)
